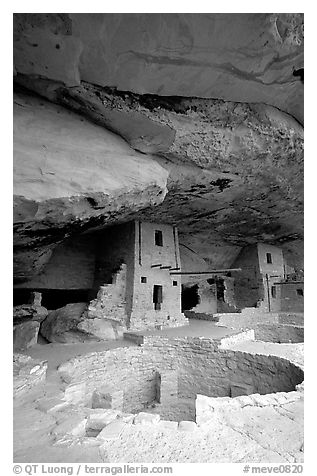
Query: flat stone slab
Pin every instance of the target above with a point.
(167, 425)
(97, 421)
(187, 426)
(75, 393)
(146, 418)
(51, 404)
(74, 425)
(112, 431)
(69, 442)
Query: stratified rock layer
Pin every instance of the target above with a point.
(235, 57)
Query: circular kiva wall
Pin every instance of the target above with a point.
(280, 334)
(166, 375)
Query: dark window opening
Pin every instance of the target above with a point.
(158, 238)
(220, 286)
(143, 279)
(190, 297)
(300, 292)
(157, 296)
(273, 291)
(175, 283)
(269, 258)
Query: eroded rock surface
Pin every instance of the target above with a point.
(235, 57)
(192, 120)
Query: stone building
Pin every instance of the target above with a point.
(208, 296)
(265, 280)
(123, 272)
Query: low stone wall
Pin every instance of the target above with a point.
(292, 318)
(132, 370)
(199, 365)
(227, 342)
(279, 333)
(246, 320)
(200, 315)
(203, 367)
(209, 409)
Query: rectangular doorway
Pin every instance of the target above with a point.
(157, 296)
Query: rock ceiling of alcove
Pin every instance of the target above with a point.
(193, 120)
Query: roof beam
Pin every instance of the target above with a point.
(212, 271)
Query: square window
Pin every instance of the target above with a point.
(300, 292)
(158, 237)
(175, 283)
(143, 279)
(269, 258)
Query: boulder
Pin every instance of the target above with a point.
(25, 335)
(61, 324)
(27, 312)
(70, 324)
(101, 328)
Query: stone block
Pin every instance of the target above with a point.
(167, 425)
(300, 387)
(146, 419)
(104, 399)
(101, 400)
(75, 393)
(97, 421)
(187, 426)
(25, 335)
(117, 400)
(236, 390)
(113, 430)
(126, 417)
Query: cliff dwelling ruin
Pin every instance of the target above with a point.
(158, 287)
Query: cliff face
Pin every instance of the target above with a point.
(193, 120)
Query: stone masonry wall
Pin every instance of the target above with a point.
(277, 265)
(209, 409)
(290, 300)
(206, 369)
(246, 320)
(110, 302)
(207, 298)
(279, 333)
(201, 368)
(147, 254)
(133, 370)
